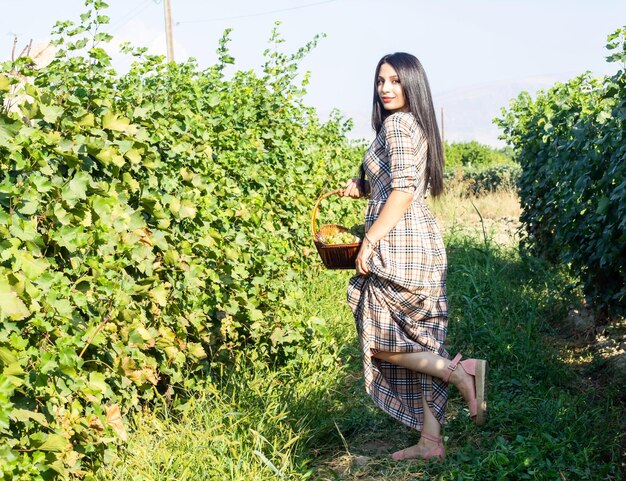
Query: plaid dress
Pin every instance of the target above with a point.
(401, 306)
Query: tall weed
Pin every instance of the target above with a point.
(311, 418)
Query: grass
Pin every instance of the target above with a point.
(254, 422)
(497, 213)
(456, 205)
(311, 419)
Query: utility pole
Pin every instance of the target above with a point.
(443, 142)
(168, 32)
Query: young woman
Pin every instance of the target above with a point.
(398, 295)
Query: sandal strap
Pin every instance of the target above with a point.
(452, 366)
(430, 437)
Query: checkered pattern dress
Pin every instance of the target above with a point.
(401, 306)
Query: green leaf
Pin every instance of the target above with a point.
(97, 339)
(136, 221)
(196, 351)
(175, 206)
(135, 338)
(54, 442)
(87, 120)
(7, 356)
(5, 83)
(12, 306)
(8, 129)
(118, 160)
(41, 183)
(47, 362)
(110, 155)
(51, 113)
(62, 306)
(105, 155)
(31, 266)
(31, 90)
(13, 370)
(24, 229)
(132, 184)
(29, 208)
(24, 415)
(255, 314)
(213, 100)
(112, 121)
(125, 145)
(159, 295)
(103, 206)
(603, 205)
(187, 210)
(61, 214)
(134, 155)
(76, 189)
(97, 382)
(71, 237)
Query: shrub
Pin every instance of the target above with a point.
(570, 144)
(479, 181)
(475, 155)
(150, 225)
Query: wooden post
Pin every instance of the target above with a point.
(443, 142)
(168, 31)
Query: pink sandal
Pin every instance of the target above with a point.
(477, 368)
(438, 452)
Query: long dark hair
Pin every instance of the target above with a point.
(417, 95)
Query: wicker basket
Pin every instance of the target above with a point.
(334, 256)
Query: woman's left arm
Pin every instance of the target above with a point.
(395, 206)
(403, 172)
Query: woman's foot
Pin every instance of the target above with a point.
(471, 383)
(427, 448)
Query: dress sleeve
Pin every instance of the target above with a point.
(401, 151)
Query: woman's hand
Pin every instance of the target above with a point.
(365, 252)
(353, 189)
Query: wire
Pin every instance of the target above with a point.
(128, 16)
(216, 19)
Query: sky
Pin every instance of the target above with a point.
(477, 54)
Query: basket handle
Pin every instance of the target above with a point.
(314, 213)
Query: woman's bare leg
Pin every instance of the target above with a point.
(435, 366)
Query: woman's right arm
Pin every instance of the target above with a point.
(356, 188)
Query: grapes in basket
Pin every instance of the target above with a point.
(338, 237)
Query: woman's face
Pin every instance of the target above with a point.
(389, 89)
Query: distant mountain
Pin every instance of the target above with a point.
(468, 111)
